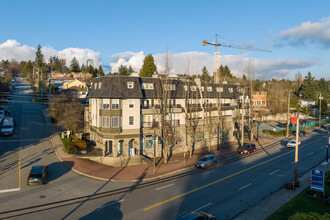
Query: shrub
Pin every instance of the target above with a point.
(275, 133)
(69, 146)
(80, 143)
(309, 216)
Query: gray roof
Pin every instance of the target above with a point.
(115, 87)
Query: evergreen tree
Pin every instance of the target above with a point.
(148, 68)
(40, 59)
(75, 67)
(309, 87)
(123, 71)
(130, 70)
(83, 67)
(90, 69)
(205, 77)
(100, 71)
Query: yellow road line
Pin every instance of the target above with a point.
(220, 180)
(19, 172)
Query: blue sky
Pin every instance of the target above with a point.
(118, 33)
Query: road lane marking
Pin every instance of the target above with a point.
(310, 153)
(274, 172)
(243, 187)
(10, 190)
(322, 147)
(292, 162)
(165, 186)
(112, 203)
(239, 161)
(208, 172)
(225, 178)
(202, 207)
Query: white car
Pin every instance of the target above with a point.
(292, 143)
(7, 127)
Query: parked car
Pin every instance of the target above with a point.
(292, 143)
(37, 175)
(8, 125)
(192, 215)
(246, 148)
(301, 133)
(206, 161)
(282, 125)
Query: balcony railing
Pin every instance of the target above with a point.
(153, 124)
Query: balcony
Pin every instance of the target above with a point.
(150, 110)
(172, 123)
(150, 125)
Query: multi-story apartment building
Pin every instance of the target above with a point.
(131, 115)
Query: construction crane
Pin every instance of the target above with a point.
(217, 54)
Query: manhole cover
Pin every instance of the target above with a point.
(42, 197)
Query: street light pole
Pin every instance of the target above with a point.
(288, 117)
(321, 98)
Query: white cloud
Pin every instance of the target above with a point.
(178, 63)
(317, 32)
(11, 49)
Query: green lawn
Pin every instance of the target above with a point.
(302, 203)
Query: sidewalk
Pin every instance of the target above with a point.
(270, 204)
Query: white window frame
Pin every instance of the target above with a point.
(193, 88)
(130, 85)
(131, 120)
(231, 90)
(115, 104)
(209, 88)
(100, 85)
(115, 124)
(185, 87)
(202, 88)
(106, 122)
(106, 104)
(148, 86)
(131, 103)
(169, 87)
(219, 89)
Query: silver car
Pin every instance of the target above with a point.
(292, 143)
(206, 161)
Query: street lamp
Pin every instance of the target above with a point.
(321, 98)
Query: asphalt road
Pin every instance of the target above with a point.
(224, 191)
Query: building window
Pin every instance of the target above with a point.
(95, 85)
(185, 88)
(115, 104)
(230, 90)
(169, 87)
(209, 88)
(193, 88)
(131, 120)
(130, 85)
(106, 122)
(106, 104)
(147, 86)
(115, 122)
(202, 88)
(219, 89)
(131, 103)
(100, 84)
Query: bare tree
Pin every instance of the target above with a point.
(250, 72)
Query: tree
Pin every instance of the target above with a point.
(123, 71)
(75, 67)
(205, 77)
(40, 61)
(148, 68)
(100, 71)
(309, 87)
(130, 70)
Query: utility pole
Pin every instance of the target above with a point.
(321, 98)
(242, 137)
(296, 157)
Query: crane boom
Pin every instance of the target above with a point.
(217, 54)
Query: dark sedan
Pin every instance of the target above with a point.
(246, 148)
(301, 133)
(37, 175)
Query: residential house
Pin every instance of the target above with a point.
(305, 103)
(81, 88)
(127, 114)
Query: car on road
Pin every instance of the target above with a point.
(292, 143)
(37, 175)
(7, 127)
(246, 148)
(193, 215)
(206, 161)
(301, 133)
(282, 125)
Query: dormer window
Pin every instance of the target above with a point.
(95, 85)
(130, 85)
(185, 88)
(230, 90)
(147, 86)
(169, 87)
(202, 88)
(220, 89)
(209, 88)
(100, 84)
(193, 88)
